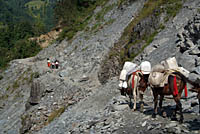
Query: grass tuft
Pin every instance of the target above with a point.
(55, 114)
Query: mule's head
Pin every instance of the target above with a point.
(143, 83)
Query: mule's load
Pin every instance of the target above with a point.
(156, 77)
(160, 72)
(145, 67)
(128, 68)
(170, 63)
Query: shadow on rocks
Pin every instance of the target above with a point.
(168, 109)
(194, 124)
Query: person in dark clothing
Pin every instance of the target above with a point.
(56, 64)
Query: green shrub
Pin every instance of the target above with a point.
(1, 77)
(15, 43)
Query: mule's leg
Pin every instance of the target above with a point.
(174, 113)
(122, 91)
(135, 100)
(198, 96)
(160, 105)
(130, 101)
(155, 95)
(141, 101)
(179, 107)
(181, 112)
(135, 92)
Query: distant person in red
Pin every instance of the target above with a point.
(56, 64)
(48, 62)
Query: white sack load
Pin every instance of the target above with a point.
(123, 75)
(128, 68)
(123, 84)
(184, 71)
(145, 67)
(156, 78)
(170, 63)
(158, 68)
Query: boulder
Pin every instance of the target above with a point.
(36, 92)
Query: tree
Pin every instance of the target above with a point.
(66, 10)
(25, 48)
(23, 30)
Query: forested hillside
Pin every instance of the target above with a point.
(20, 20)
(38, 12)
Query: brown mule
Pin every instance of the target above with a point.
(137, 83)
(169, 89)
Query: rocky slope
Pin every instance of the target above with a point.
(71, 99)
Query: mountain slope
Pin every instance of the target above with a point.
(73, 98)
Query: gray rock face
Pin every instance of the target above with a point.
(179, 39)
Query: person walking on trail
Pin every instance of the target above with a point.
(56, 64)
(48, 62)
(53, 65)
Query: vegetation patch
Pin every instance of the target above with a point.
(36, 4)
(15, 85)
(100, 15)
(18, 95)
(4, 97)
(75, 16)
(55, 114)
(100, 18)
(84, 49)
(20, 20)
(110, 22)
(121, 2)
(33, 75)
(1, 77)
(96, 26)
(14, 43)
(8, 88)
